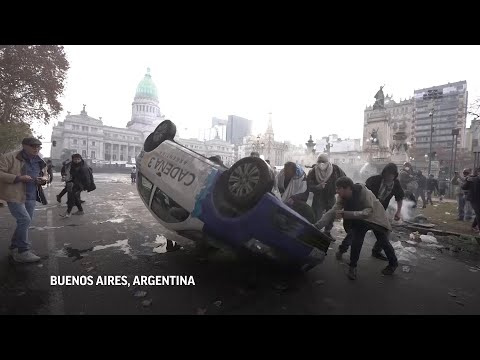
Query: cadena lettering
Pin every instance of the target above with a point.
(191, 182)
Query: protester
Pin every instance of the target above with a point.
(472, 188)
(408, 182)
(133, 175)
(361, 211)
(50, 172)
(255, 154)
(463, 205)
(384, 187)
(321, 182)
(77, 179)
(432, 185)
(63, 174)
(442, 187)
(422, 185)
(22, 174)
(292, 185)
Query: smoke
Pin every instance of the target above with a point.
(407, 212)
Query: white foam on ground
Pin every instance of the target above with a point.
(121, 244)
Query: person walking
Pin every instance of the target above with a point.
(464, 206)
(422, 185)
(77, 180)
(432, 186)
(50, 172)
(133, 175)
(22, 174)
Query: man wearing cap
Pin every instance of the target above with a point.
(20, 174)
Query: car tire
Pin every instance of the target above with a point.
(247, 181)
(165, 131)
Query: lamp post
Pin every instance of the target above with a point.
(431, 134)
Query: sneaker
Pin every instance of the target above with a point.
(339, 255)
(25, 257)
(379, 255)
(389, 270)
(352, 273)
(66, 215)
(11, 252)
(79, 213)
(59, 199)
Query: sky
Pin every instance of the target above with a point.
(311, 90)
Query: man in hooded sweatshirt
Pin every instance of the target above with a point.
(321, 182)
(77, 179)
(384, 187)
(361, 211)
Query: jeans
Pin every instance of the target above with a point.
(355, 238)
(319, 205)
(23, 212)
(464, 208)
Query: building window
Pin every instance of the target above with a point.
(93, 143)
(74, 141)
(114, 157)
(84, 142)
(84, 128)
(92, 155)
(84, 153)
(143, 107)
(94, 129)
(121, 157)
(115, 135)
(137, 139)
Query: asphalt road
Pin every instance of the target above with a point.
(118, 236)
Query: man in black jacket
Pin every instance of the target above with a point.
(472, 188)
(384, 187)
(77, 179)
(422, 184)
(432, 185)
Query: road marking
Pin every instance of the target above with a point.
(55, 301)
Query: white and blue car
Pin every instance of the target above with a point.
(229, 207)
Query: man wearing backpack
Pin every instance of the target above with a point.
(78, 178)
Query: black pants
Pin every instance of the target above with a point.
(476, 208)
(355, 238)
(321, 204)
(64, 191)
(50, 177)
(73, 198)
(421, 193)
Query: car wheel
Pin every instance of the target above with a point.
(165, 131)
(247, 181)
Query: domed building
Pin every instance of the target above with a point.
(103, 145)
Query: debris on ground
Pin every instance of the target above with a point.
(140, 293)
(429, 239)
(452, 294)
(320, 282)
(147, 302)
(415, 236)
(433, 258)
(460, 303)
(472, 269)
(281, 287)
(90, 268)
(40, 265)
(217, 303)
(447, 213)
(201, 311)
(406, 269)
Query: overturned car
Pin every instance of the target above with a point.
(228, 207)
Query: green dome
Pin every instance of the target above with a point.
(146, 88)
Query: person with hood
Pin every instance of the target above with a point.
(384, 187)
(361, 211)
(422, 185)
(77, 179)
(292, 185)
(408, 182)
(22, 174)
(321, 182)
(432, 185)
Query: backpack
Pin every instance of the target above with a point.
(92, 183)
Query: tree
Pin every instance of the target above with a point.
(11, 135)
(474, 109)
(31, 81)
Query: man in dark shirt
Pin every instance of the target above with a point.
(432, 185)
(422, 184)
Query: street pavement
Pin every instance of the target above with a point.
(118, 236)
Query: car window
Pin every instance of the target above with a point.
(145, 188)
(167, 209)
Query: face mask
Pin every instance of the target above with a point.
(323, 166)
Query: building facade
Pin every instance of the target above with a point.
(101, 144)
(237, 129)
(212, 147)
